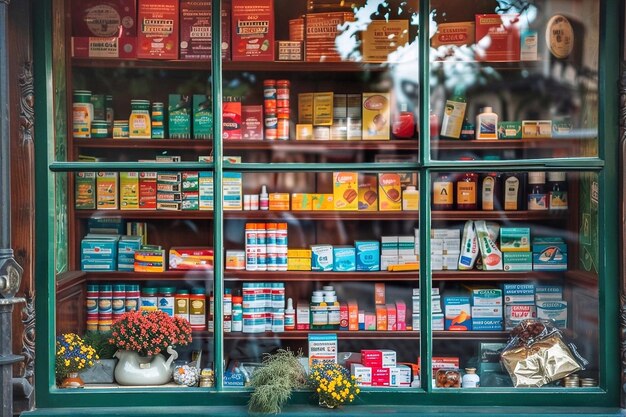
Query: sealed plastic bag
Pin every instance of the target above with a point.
(537, 355)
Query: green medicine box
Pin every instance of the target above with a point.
(518, 261)
(510, 130)
(515, 239)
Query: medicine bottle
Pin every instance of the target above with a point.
(443, 192)
(82, 114)
(197, 309)
(290, 316)
(237, 325)
(490, 191)
(139, 126)
(513, 186)
(557, 190)
(537, 195)
(467, 190)
(166, 300)
(470, 379)
(181, 304)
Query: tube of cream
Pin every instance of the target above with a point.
(492, 257)
(469, 248)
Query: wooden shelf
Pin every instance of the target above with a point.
(506, 144)
(326, 146)
(306, 146)
(74, 277)
(276, 66)
(360, 335)
(327, 215)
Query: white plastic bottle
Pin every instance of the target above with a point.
(487, 124)
(470, 379)
(264, 199)
(290, 316)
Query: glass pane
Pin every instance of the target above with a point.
(324, 259)
(507, 247)
(514, 80)
(137, 239)
(321, 81)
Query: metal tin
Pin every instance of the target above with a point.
(120, 129)
(99, 129)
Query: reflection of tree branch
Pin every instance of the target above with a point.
(514, 6)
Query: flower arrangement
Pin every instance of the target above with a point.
(333, 384)
(72, 355)
(149, 332)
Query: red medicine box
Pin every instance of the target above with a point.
(195, 30)
(158, 29)
(497, 37)
(253, 30)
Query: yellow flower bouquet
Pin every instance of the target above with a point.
(72, 355)
(333, 384)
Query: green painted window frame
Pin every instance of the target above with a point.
(606, 164)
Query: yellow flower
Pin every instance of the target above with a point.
(358, 390)
(67, 362)
(319, 390)
(351, 397)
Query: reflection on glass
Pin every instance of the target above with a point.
(518, 80)
(515, 275)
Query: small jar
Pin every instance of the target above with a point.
(282, 93)
(99, 129)
(120, 129)
(149, 299)
(282, 129)
(82, 114)
(139, 123)
(448, 378)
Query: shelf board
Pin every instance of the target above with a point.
(306, 146)
(70, 278)
(326, 146)
(115, 276)
(275, 66)
(326, 215)
(360, 335)
(504, 144)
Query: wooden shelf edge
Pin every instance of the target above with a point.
(328, 215)
(70, 279)
(360, 335)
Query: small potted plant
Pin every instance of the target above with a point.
(72, 355)
(103, 369)
(274, 381)
(140, 337)
(333, 384)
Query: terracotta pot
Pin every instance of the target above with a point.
(72, 381)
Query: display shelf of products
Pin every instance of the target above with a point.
(259, 66)
(524, 215)
(362, 334)
(298, 276)
(186, 144)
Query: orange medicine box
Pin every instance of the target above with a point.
(279, 201)
(379, 293)
(368, 195)
(321, 29)
(353, 315)
(345, 190)
(106, 191)
(147, 190)
(389, 192)
(322, 202)
(497, 37)
(158, 27)
(392, 323)
(253, 30)
(382, 38)
(191, 258)
(301, 201)
(381, 317)
(456, 33)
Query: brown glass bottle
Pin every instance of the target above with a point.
(443, 192)
(467, 191)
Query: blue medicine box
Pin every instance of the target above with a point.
(98, 248)
(518, 293)
(491, 324)
(344, 258)
(367, 255)
(98, 264)
(457, 313)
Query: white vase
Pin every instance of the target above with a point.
(133, 369)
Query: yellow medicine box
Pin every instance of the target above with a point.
(301, 201)
(279, 201)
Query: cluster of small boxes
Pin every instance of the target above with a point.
(365, 255)
(436, 312)
(445, 248)
(527, 301)
(548, 253)
(379, 368)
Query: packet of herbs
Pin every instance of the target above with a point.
(537, 355)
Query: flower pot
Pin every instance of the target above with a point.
(100, 373)
(72, 381)
(323, 404)
(133, 369)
